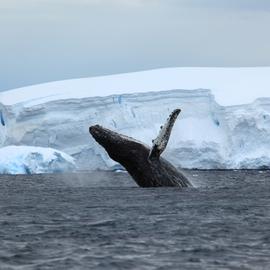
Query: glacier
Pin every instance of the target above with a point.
(34, 160)
(224, 123)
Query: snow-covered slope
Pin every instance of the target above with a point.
(31, 160)
(213, 131)
(231, 86)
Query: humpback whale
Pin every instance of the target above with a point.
(143, 163)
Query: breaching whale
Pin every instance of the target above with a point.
(145, 165)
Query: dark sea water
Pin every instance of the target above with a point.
(103, 221)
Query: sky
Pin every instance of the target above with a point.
(48, 40)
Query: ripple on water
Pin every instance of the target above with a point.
(75, 222)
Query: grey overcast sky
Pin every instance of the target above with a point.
(46, 40)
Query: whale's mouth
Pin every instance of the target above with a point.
(99, 133)
(113, 142)
(96, 131)
(104, 136)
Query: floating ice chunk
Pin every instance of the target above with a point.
(33, 160)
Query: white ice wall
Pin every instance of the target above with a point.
(206, 135)
(213, 131)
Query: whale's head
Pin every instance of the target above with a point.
(120, 148)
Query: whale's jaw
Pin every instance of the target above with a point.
(120, 148)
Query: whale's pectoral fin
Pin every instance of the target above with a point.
(160, 143)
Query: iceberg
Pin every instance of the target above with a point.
(224, 123)
(34, 160)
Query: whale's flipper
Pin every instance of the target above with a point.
(160, 143)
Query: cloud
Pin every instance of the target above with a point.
(44, 40)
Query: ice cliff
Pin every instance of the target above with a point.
(225, 127)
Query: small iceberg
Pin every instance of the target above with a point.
(34, 160)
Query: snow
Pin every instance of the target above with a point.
(32, 160)
(231, 86)
(224, 126)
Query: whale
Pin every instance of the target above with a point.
(143, 163)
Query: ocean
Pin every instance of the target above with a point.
(102, 220)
